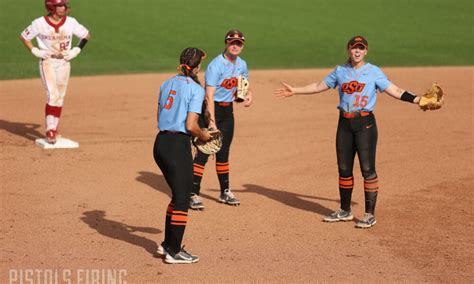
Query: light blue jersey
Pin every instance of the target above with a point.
(178, 96)
(357, 87)
(222, 74)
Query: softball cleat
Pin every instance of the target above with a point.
(228, 197)
(366, 222)
(51, 136)
(339, 215)
(196, 202)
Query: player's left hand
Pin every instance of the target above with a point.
(286, 91)
(71, 54)
(248, 99)
(432, 99)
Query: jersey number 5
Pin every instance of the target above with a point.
(169, 101)
(360, 101)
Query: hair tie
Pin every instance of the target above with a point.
(185, 66)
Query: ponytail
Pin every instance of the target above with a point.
(189, 60)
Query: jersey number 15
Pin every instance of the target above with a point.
(360, 101)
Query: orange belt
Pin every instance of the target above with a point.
(224, 104)
(355, 114)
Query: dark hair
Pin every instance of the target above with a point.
(190, 58)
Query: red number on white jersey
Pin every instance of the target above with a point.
(63, 45)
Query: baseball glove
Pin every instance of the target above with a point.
(242, 89)
(433, 99)
(210, 147)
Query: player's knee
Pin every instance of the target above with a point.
(345, 173)
(369, 174)
(222, 156)
(222, 161)
(55, 99)
(201, 158)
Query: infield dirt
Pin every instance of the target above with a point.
(102, 206)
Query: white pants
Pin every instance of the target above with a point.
(55, 75)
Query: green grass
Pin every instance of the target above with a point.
(135, 36)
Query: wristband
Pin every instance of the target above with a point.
(408, 97)
(82, 43)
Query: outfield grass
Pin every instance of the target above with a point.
(134, 36)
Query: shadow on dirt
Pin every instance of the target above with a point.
(291, 199)
(158, 183)
(120, 231)
(155, 181)
(25, 130)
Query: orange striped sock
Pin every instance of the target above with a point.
(222, 168)
(371, 185)
(198, 170)
(179, 218)
(346, 184)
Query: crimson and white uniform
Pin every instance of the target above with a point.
(56, 39)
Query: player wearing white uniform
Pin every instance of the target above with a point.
(54, 33)
(358, 82)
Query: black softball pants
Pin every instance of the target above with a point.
(172, 153)
(224, 115)
(357, 135)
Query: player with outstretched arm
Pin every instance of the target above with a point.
(358, 82)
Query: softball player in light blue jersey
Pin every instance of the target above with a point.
(221, 88)
(357, 87)
(222, 75)
(358, 83)
(179, 106)
(178, 96)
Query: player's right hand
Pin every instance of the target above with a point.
(42, 54)
(286, 91)
(206, 135)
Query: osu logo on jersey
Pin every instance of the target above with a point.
(230, 83)
(352, 87)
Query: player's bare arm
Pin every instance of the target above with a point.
(193, 127)
(210, 108)
(27, 43)
(401, 94)
(249, 98)
(288, 91)
(43, 54)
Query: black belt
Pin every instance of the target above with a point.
(168, 132)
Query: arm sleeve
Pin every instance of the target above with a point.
(30, 32)
(381, 81)
(212, 75)
(79, 30)
(331, 79)
(197, 98)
